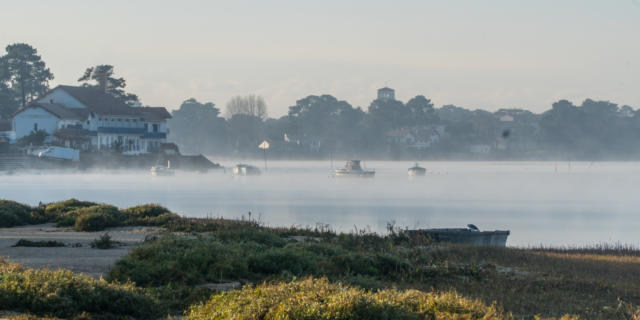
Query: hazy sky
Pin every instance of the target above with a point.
(486, 54)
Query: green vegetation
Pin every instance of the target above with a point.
(42, 244)
(62, 293)
(16, 214)
(104, 242)
(320, 299)
(148, 215)
(353, 275)
(84, 215)
(57, 210)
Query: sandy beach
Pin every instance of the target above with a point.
(78, 256)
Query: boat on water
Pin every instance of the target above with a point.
(416, 170)
(470, 235)
(161, 171)
(246, 170)
(353, 169)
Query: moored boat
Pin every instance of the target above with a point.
(161, 171)
(470, 235)
(353, 169)
(246, 170)
(417, 170)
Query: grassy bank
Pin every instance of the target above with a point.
(83, 215)
(62, 293)
(359, 275)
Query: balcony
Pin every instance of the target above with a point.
(120, 130)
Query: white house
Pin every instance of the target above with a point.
(88, 118)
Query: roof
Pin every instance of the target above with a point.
(153, 113)
(98, 101)
(63, 112)
(5, 125)
(385, 89)
(58, 110)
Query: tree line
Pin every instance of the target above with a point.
(323, 126)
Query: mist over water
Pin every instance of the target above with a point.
(550, 203)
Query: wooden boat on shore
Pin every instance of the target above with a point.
(353, 169)
(470, 235)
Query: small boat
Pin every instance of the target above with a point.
(246, 170)
(470, 235)
(417, 170)
(161, 171)
(353, 169)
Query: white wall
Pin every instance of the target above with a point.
(23, 122)
(59, 96)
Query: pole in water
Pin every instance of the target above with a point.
(264, 146)
(265, 159)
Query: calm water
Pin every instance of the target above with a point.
(540, 202)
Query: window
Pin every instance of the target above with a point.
(155, 127)
(35, 127)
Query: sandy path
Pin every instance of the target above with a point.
(93, 262)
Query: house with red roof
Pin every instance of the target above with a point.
(90, 119)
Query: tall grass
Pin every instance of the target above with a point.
(61, 293)
(321, 299)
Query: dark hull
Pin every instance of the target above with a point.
(466, 236)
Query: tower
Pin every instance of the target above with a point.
(386, 93)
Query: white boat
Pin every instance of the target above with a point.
(246, 170)
(162, 170)
(353, 169)
(416, 170)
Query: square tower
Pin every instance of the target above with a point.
(386, 94)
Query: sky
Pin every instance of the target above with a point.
(488, 54)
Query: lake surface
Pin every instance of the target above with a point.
(540, 202)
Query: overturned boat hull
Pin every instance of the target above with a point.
(496, 238)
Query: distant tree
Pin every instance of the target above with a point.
(422, 111)
(627, 111)
(251, 105)
(198, 127)
(389, 114)
(246, 132)
(25, 72)
(8, 101)
(324, 119)
(102, 77)
(451, 114)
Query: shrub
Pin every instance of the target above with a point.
(62, 293)
(148, 215)
(43, 243)
(319, 299)
(96, 218)
(104, 242)
(57, 210)
(14, 214)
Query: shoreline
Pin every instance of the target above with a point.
(77, 256)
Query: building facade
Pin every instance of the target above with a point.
(90, 119)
